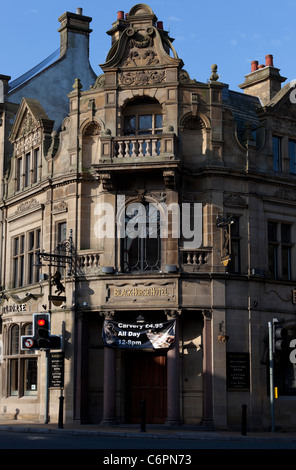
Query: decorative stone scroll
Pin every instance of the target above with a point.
(141, 77)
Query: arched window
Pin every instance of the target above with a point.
(141, 248)
(141, 124)
(142, 116)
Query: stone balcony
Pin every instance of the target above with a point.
(144, 148)
(129, 153)
(195, 260)
(88, 262)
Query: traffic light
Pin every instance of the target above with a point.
(280, 337)
(42, 330)
(41, 337)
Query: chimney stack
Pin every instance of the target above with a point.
(269, 60)
(73, 25)
(254, 65)
(264, 81)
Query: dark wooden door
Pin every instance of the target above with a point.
(146, 379)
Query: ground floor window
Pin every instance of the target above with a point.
(21, 365)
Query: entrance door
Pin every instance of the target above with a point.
(146, 380)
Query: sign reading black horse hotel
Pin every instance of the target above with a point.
(118, 334)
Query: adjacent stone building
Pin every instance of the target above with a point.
(153, 217)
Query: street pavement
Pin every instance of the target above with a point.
(151, 431)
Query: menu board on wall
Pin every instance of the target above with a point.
(56, 370)
(238, 371)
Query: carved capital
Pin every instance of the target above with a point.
(107, 314)
(207, 314)
(173, 314)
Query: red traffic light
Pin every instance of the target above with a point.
(41, 322)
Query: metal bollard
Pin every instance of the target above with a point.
(143, 416)
(61, 413)
(244, 420)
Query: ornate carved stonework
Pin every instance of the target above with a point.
(141, 58)
(60, 207)
(141, 77)
(287, 194)
(28, 124)
(234, 200)
(27, 205)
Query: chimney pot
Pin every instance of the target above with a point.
(120, 15)
(261, 66)
(269, 60)
(254, 65)
(78, 11)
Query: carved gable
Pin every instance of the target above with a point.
(30, 119)
(140, 42)
(283, 109)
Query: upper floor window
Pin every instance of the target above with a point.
(27, 169)
(277, 153)
(18, 258)
(292, 156)
(142, 117)
(33, 248)
(141, 248)
(24, 258)
(279, 250)
(142, 123)
(234, 265)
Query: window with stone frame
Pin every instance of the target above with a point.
(142, 117)
(27, 169)
(21, 365)
(280, 248)
(24, 258)
(277, 153)
(33, 249)
(234, 265)
(292, 156)
(141, 247)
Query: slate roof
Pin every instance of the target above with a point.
(243, 107)
(34, 71)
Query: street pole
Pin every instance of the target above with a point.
(271, 378)
(46, 386)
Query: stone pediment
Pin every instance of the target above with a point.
(140, 42)
(30, 117)
(284, 102)
(282, 110)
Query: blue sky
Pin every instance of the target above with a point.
(228, 33)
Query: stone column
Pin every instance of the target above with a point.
(109, 402)
(207, 369)
(81, 365)
(173, 376)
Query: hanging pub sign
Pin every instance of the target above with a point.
(148, 335)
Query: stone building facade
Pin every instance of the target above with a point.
(166, 207)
